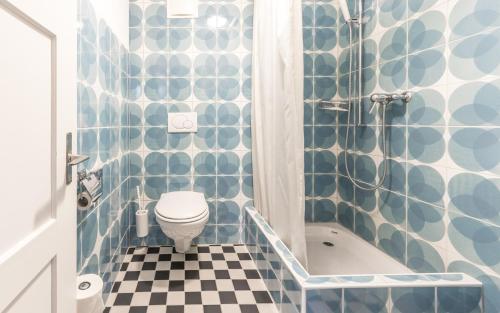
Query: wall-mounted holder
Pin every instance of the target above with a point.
(334, 105)
(89, 188)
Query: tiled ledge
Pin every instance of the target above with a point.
(402, 281)
(294, 290)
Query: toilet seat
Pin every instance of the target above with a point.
(182, 207)
(186, 221)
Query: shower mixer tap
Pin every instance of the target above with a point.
(387, 98)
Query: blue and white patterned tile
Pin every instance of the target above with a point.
(426, 183)
(392, 241)
(87, 106)
(364, 226)
(473, 149)
(366, 300)
(426, 144)
(475, 196)
(467, 18)
(426, 221)
(396, 137)
(393, 74)
(346, 215)
(470, 104)
(428, 30)
(89, 22)
(325, 210)
(415, 300)
(428, 107)
(417, 7)
(424, 257)
(427, 68)
(392, 12)
(365, 200)
(474, 241)
(136, 39)
(392, 208)
(228, 234)
(365, 168)
(156, 114)
(456, 299)
(393, 43)
(466, 64)
(324, 301)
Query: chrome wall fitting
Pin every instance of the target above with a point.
(333, 105)
(89, 188)
(389, 97)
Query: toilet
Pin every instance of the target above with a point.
(182, 216)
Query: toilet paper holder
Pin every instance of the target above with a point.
(89, 188)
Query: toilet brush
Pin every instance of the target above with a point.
(141, 217)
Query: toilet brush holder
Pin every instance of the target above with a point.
(141, 220)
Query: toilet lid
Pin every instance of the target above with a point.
(186, 221)
(182, 205)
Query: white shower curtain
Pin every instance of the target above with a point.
(277, 120)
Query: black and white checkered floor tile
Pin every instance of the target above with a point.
(207, 279)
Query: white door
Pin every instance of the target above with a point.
(38, 107)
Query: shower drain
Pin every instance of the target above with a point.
(328, 243)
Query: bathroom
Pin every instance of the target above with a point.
(292, 156)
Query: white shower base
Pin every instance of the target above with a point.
(349, 255)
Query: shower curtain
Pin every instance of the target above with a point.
(277, 120)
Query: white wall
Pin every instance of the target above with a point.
(115, 13)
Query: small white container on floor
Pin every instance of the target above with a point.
(141, 218)
(88, 294)
(141, 221)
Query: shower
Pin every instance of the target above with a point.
(383, 100)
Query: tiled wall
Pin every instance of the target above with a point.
(102, 135)
(320, 33)
(438, 209)
(201, 65)
(204, 65)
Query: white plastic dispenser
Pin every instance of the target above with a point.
(89, 294)
(141, 218)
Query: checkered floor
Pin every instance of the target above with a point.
(207, 279)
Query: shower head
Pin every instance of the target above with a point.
(345, 10)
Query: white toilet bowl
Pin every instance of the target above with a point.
(182, 216)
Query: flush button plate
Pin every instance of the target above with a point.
(183, 122)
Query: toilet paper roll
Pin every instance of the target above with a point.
(88, 294)
(84, 201)
(141, 220)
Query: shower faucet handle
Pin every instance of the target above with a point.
(405, 96)
(374, 105)
(380, 98)
(384, 98)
